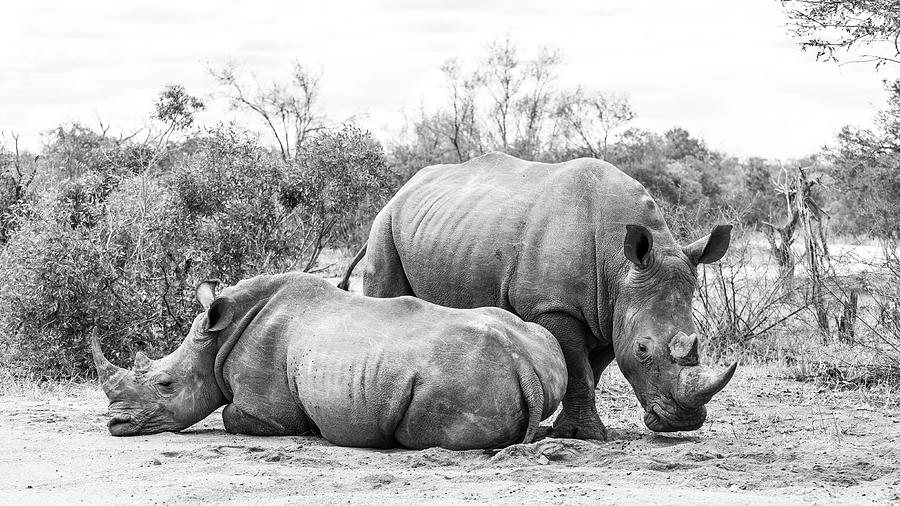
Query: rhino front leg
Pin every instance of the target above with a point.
(238, 421)
(600, 360)
(579, 418)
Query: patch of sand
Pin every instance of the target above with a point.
(767, 440)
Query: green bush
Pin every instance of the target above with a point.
(62, 275)
(864, 169)
(124, 251)
(255, 213)
(228, 220)
(340, 180)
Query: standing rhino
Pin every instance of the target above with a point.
(578, 247)
(290, 353)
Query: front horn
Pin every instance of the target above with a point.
(109, 373)
(697, 385)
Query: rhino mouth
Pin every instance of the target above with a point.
(659, 419)
(141, 422)
(123, 424)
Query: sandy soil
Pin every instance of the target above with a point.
(767, 440)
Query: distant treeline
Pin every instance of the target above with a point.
(116, 230)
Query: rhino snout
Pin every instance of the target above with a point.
(122, 424)
(659, 419)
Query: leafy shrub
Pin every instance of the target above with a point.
(124, 251)
(256, 213)
(341, 180)
(226, 205)
(74, 150)
(864, 168)
(62, 275)
(887, 301)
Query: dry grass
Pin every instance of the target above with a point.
(333, 263)
(745, 312)
(15, 386)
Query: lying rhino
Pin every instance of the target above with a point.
(290, 353)
(578, 247)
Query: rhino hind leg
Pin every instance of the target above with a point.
(579, 418)
(435, 420)
(384, 275)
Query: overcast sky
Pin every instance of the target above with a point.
(727, 71)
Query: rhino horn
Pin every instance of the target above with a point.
(685, 349)
(142, 362)
(697, 385)
(109, 373)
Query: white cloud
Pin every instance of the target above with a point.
(727, 71)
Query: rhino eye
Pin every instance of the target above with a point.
(165, 384)
(642, 351)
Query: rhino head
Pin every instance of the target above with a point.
(656, 342)
(174, 392)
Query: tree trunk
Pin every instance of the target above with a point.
(847, 322)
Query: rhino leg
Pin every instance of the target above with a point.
(599, 360)
(579, 418)
(238, 421)
(384, 275)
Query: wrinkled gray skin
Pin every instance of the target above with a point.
(290, 354)
(578, 247)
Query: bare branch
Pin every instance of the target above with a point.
(288, 110)
(836, 28)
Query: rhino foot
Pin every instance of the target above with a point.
(591, 428)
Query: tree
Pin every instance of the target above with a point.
(534, 107)
(16, 176)
(838, 28)
(339, 178)
(289, 109)
(866, 169)
(509, 103)
(520, 94)
(680, 144)
(588, 119)
(74, 150)
(502, 78)
(802, 194)
(460, 123)
(175, 108)
(757, 176)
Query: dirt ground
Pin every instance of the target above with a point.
(767, 440)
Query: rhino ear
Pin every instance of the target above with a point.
(638, 244)
(220, 314)
(206, 292)
(711, 248)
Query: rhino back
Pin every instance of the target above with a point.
(378, 372)
(383, 372)
(528, 237)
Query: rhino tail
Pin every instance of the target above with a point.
(345, 282)
(533, 393)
